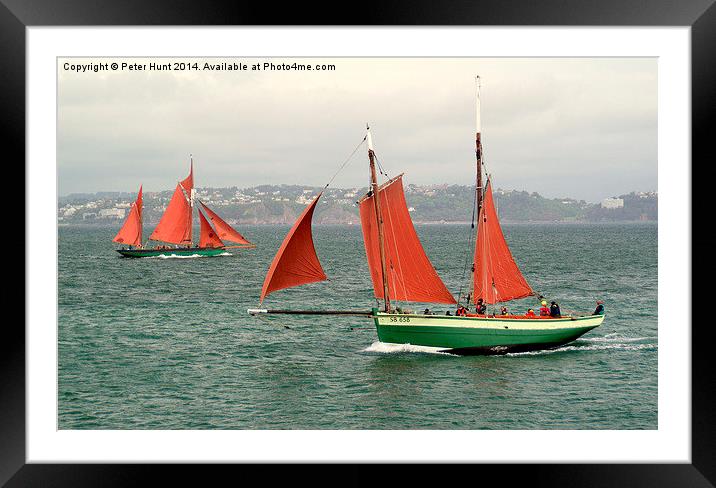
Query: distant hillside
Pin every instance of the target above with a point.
(281, 204)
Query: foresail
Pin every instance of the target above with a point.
(225, 232)
(175, 224)
(296, 262)
(207, 236)
(497, 278)
(411, 275)
(131, 231)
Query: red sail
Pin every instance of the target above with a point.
(131, 231)
(296, 262)
(224, 230)
(175, 224)
(138, 203)
(497, 277)
(207, 236)
(188, 182)
(411, 276)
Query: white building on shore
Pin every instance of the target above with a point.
(613, 203)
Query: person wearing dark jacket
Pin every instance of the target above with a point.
(600, 308)
(554, 310)
(481, 308)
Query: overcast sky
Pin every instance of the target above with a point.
(584, 128)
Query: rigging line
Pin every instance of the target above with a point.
(380, 166)
(346, 161)
(470, 245)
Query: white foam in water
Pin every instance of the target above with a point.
(175, 256)
(594, 347)
(616, 338)
(608, 342)
(388, 348)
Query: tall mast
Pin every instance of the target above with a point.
(379, 219)
(478, 180)
(141, 216)
(191, 199)
(478, 146)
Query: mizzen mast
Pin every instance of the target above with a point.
(478, 146)
(379, 219)
(192, 193)
(478, 180)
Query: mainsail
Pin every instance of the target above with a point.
(224, 230)
(411, 276)
(175, 224)
(497, 278)
(296, 262)
(131, 231)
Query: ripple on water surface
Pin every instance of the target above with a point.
(167, 343)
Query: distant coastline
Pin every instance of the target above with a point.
(428, 205)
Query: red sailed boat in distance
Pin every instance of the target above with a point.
(175, 228)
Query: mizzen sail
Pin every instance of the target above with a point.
(207, 236)
(131, 231)
(224, 230)
(411, 275)
(296, 262)
(497, 278)
(175, 224)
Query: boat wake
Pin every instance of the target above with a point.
(192, 256)
(605, 343)
(388, 348)
(624, 344)
(617, 338)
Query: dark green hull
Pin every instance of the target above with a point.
(175, 252)
(482, 335)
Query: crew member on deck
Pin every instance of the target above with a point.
(530, 313)
(600, 308)
(554, 310)
(480, 308)
(544, 310)
(503, 310)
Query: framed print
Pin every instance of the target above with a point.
(425, 237)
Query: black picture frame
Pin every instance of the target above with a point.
(16, 15)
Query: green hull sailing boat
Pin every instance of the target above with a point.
(176, 228)
(401, 271)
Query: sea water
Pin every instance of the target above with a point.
(167, 343)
